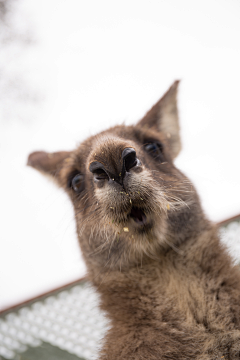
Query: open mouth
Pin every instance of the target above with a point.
(138, 216)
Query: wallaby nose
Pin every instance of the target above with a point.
(111, 171)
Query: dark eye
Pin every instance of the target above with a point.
(78, 183)
(155, 149)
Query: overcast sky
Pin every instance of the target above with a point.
(92, 64)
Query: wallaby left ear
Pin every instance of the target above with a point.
(48, 163)
(164, 117)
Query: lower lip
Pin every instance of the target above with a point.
(138, 216)
(141, 222)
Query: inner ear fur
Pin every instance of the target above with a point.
(48, 163)
(163, 117)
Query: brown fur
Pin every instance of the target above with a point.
(166, 283)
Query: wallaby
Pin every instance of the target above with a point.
(167, 284)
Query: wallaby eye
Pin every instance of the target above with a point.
(78, 183)
(154, 149)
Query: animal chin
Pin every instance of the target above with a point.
(138, 216)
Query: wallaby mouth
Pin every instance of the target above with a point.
(138, 216)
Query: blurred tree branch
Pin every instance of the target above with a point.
(15, 91)
(4, 8)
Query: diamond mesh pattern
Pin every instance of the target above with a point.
(70, 320)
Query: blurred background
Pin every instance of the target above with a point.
(69, 69)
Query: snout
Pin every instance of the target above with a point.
(121, 187)
(124, 188)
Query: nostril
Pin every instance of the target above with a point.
(98, 171)
(100, 174)
(129, 158)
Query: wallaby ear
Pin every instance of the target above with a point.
(48, 163)
(164, 117)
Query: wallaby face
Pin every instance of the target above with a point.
(130, 200)
(168, 286)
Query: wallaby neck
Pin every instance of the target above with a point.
(143, 288)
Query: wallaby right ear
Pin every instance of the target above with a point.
(163, 116)
(48, 163)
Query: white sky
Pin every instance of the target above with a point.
(95, 64)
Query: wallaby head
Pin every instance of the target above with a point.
(131, 203)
